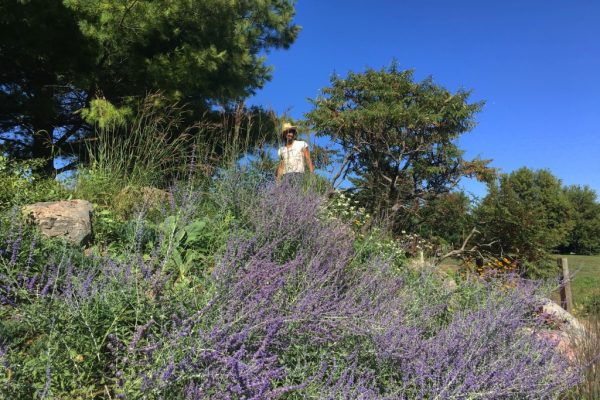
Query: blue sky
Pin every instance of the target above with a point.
(535, 63)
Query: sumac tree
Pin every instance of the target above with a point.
(398, 138)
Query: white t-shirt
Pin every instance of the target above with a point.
(293, 157)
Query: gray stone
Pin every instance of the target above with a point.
(68, 219)
(569, 324)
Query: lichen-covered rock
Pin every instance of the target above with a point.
(565, 320)
(68, 219)
(147, 199)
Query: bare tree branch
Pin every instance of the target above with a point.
(462, 248)
(344, 164)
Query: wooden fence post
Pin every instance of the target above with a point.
(566, 297)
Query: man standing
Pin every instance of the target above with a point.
(294, 156)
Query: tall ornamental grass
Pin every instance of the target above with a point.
(145, 150)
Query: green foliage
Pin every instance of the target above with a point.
(591, 305)
(526, 214)
(584, 238)
(105, 114)
(67, 341)
(399, 138)
(371, 242)
(447, 218)
(378, 244)
(344, 207)
(97, 187)
(585, 284)
(21, 186)
(191, 248)
(109, 231)
(198, 52)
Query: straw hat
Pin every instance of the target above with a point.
(287, 127)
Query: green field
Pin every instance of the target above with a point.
(586, 279)
(585, 284)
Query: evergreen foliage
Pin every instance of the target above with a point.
(56, 56)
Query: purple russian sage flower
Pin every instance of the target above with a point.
(11, 231)
(31, 252)
(193, 391)
(67, 288)
(168, 373)
(46, 288)
(173, 190)
(292, 281)
(16, 246)
(4, 356)
(30, 283)
(86, 284)
(139, 333)
(5, 297)
(192, 166)
(127, 275)
(120, 379)
(487, 352)
(114, 344)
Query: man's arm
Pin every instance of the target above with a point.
(279, 170)
(306, 153)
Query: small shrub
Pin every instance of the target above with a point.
(20, 186)
(591, 305)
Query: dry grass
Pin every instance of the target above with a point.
(587, 350)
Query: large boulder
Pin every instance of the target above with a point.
(564, 320)
(68, 219)
(566, 332)
(147, 199)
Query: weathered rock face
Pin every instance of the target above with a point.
(566, 321)
(69, 219)
(568, 332)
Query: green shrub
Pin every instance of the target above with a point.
(190, 247)
(20, 186)
(591, 305)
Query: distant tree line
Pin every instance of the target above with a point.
(530, 214)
